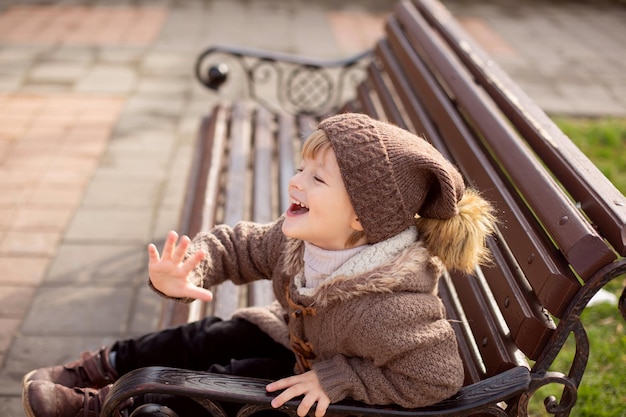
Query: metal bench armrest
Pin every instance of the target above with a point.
(210, 390)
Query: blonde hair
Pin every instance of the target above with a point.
(316, 143)
(460, 242)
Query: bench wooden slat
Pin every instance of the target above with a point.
(386, 97)
(547, 277)
(210, 198)
(200, 206)
(598, 197)
(265, 204)
(365, 99)
(472, 362)
(264, 194)
(574, 237)
(497, 352)
(227, 296)
(528, 323)
(286, 138)
(413, 107)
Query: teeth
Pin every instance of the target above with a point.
(299, 203)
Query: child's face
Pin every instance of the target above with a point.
(320, 211)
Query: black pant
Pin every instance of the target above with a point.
(235, 347)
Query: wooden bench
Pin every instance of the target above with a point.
(562, 232)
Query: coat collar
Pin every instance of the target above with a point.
(400, 263)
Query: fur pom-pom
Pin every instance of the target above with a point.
(460, 242)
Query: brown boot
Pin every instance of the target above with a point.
(92, 370)
(47, 399)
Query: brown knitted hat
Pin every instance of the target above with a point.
(391, 174)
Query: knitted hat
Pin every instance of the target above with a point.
(391, 174)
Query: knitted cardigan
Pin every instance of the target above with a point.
(374, 331)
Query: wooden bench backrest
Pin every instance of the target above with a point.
(243, 161)
(555, 221)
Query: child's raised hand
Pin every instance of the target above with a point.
(168, 272)
(307, 384)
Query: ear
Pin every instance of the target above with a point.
(356, 224)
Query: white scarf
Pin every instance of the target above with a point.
(320, 263)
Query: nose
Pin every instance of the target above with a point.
(295, 182)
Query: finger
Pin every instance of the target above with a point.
(305, 405)
(198, 293)
(181, 249)
(153, 253)
(285, 396)
(170, 242)
(193, 261)
(322, 406)
(282, 383)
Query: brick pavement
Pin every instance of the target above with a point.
(98, 112)
(96, 131)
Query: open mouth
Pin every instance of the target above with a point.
(297, 207)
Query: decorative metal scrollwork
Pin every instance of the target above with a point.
(552, 405)
(282, 82)
(250, 410)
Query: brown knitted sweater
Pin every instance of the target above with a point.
(375, 331)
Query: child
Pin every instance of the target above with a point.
(376, 215)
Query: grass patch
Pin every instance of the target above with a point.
(603, 389)
(602, 392)
(603, 141)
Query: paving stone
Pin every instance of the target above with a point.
(133, 124)
(163, 86)
(42, 219)
(154, 106)
(6, 217)
(70, 54)
(98, 264)
(356, 31)
(11, 405)
(14, 300)
(167, 219)
(58, 72)
(589, 100)
(8, 328)
(121, 55)
(23, 52)
(26, 271)
(68, 310)
(133, 166)
(146, 310)
(52, 196)
(74, 25)
(109, 225)
(27, 243)
(156, 141)
(104, 193)
(182, 30)
(108, 79)
(168, 63)
(317, 43)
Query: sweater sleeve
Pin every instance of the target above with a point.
(397, 357)
(243, 253)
